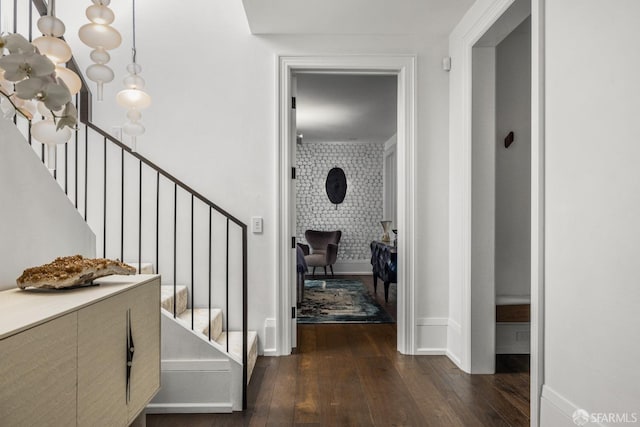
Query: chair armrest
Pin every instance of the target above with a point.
(305, 248)
(332, 253)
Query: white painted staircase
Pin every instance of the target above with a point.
(198, 375)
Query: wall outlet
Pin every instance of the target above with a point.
(256, 224)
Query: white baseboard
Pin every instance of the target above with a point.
(431, 336)
(557, 410)
(455, 359)
(269, 337)
(360, 266)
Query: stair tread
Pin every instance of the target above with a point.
(147, 267)
(201, 320)
(166, 298)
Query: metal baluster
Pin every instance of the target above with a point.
(104, 204)
(175, 233)
(245, 332)
(157, 222)
(75, 158)
(122, 204)
(86, 164)
(209, 274)
(192, 285)
(226, 311)
(140, 218)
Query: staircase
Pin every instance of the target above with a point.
(140, 212)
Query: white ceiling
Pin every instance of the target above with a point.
(354, 16)
(340, 107)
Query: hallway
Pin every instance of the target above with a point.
(352, 375)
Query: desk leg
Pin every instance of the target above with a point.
(386, 291)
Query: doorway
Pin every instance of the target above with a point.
(403, 67)
(345, 183)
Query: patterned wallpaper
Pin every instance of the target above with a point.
(360, 214)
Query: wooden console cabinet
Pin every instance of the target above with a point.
(64, 354)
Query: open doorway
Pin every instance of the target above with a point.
(501, 195)
(403, 67)
(345, 186)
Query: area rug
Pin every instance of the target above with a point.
(339, 301)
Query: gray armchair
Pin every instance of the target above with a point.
(322, 249)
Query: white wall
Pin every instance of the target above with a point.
(513, 164)
(359, 215)
(213, 123)
(37, 221)
(483, 192)
(592, 209)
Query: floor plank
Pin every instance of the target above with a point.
(352, 375)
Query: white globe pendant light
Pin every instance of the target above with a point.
(133, 97)
(100, 36)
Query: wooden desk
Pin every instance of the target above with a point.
(384, 262)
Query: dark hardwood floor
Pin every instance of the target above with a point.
(352, 375)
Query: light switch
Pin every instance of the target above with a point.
(256, 224)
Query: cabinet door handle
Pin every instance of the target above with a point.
(130, 352)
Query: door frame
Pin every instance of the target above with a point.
(473, 26)
(404, 67)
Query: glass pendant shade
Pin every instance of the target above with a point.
(45, 132)
(57, 50)
(70, 79)
(134, 81)
(100, 14)
(100, 36)
(100, 56)
(51, 26)
(133, 98)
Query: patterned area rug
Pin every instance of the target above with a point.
(340, 301)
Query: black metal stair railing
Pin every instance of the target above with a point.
(89, 165)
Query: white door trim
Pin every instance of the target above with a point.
(404, 67)
(474, 25)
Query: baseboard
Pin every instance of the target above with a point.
(431, 334)
(557, 410)
(359, 266)
(431, 352)
(189, 408)
(269, 337)
(455, 359)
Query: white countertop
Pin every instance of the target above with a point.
(23, 309)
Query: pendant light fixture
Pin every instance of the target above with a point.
(100, 36)
(47, 131)
(133, 97)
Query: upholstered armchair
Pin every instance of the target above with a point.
(322, 249)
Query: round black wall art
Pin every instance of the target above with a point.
(336, 185)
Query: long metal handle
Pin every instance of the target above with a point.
(130, 352)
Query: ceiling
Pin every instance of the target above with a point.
(354, 16)
(346, 107)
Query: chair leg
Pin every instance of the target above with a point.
(314, 272)
(325, 270)
(331, 267)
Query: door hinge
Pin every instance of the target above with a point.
(293, 173)
(293, 242)
(293, 102)
(293, 312)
